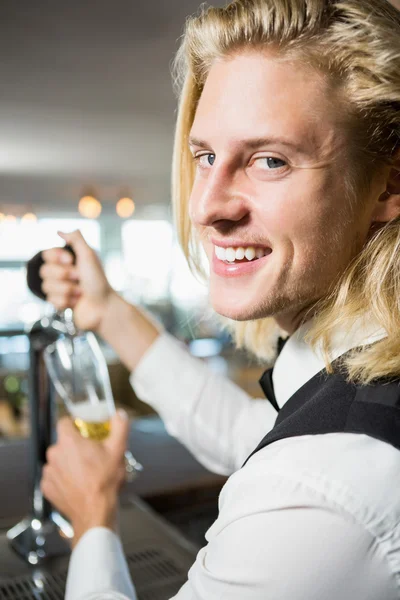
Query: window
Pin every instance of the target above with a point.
(156, 267)
(147, 249)
(18, 243)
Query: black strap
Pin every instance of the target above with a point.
(266, 383)
(331, 404)
(268, 388)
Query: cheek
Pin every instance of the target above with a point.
(196, 207)
(310, 222)
(305, 208)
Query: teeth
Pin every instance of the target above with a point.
(232, 254)
(240, 252)
(220, 252)
(250, 253)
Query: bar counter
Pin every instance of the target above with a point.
(159, 556)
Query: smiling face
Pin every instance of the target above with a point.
(269, 199)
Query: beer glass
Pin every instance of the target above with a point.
(79, 373)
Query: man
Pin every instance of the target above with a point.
(290, 114)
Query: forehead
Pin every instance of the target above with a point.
(255, 94)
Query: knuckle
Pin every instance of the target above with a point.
(69, 288)
(58, 303)
(46, 474)
(51, 255)
(43, 270)
(64, 257)
(64, 426)
(51, 454)
(46, 487)
(48, 255)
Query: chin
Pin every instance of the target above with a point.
(234, 308)
(247, 304)
(233, 315)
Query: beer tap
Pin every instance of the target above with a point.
(44, 532)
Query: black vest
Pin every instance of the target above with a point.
(330, 404)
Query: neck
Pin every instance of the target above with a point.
(290, 321)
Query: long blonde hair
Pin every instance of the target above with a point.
(357, 44)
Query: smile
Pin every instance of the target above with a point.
(239, 261)
(245, 254)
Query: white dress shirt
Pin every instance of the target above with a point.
(314, 517)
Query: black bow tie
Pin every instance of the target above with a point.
(266, 380)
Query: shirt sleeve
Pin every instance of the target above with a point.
(214, 418)
(98, 569)
(297, 553)
(284, 545)
(290, 546)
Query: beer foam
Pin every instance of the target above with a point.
(90, 412)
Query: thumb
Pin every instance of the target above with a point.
(76, 240)
(117, 441)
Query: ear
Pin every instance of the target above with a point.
(388, 204)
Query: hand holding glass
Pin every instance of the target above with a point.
(78, 370)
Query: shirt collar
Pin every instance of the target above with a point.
(298, 362)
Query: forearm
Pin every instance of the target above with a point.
(103, 514)
(215, 419)
(128, 330)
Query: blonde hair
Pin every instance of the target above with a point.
(357, 44)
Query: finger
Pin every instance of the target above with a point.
(118, 438)
(47, 477)
(66, 429)
(57, 256)
(58, 272)
(62, 302)
(50, 488)
(51, 454)
(47, 486)
(60, 288)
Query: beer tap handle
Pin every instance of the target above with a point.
(33, 277)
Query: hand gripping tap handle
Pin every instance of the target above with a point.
(34, 280)
(33, 277)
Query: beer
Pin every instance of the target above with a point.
(92, 420)
(92, 429)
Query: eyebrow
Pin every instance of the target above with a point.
(252, 144)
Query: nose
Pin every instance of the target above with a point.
(218, 201)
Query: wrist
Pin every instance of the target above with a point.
(110, 311)
(99, 516)
(127, 328)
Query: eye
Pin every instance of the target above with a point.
(205, 160)
(270, 163)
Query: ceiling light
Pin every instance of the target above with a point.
(29, 218)
(89, 207)
(10, 219)
(125, 208)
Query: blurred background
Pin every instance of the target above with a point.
(87, 115)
